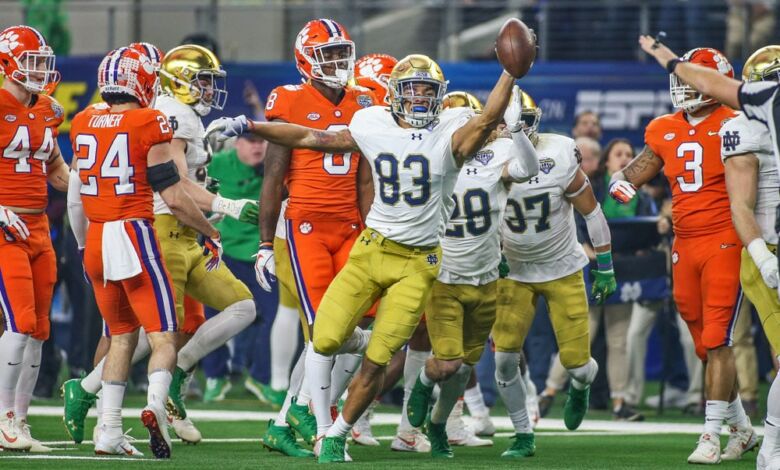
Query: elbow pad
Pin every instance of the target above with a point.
(162, 176)
(598, 230)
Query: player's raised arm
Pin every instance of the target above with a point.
(705, 80)
(643, 168)
(285, 134)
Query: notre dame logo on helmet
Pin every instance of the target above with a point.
(730, 141)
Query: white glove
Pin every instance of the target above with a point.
(622, 191)
(514, 111)
(265, 266)
(14, 228)
(765, 261)
(228, 127)
(245, 210)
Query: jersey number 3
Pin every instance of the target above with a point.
(693, 154)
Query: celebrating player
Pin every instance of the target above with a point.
(121, 155)
(28, 266)
(706, 249)
(462, 304)
(415, 152)
(320, 231)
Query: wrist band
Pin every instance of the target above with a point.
(262, 244)
(672, 64)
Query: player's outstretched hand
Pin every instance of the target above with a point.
(265, 266)
(513, 111)
(13, 226)
(604, 285)
(213, 247)
(228, 127)
(656, 49)
(622, 191)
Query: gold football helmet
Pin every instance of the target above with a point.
(417, 88)
(530, 114)
(764, 64)
(193, 76)
(462, 99)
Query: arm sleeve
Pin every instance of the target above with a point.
(598, 230)
(757, 100)
(524, 163)
(78, 221)
(277, 106)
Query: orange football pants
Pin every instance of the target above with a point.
(143, 300)
(28, 272)
(705, 271)
(194, 316)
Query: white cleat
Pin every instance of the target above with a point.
(186, 430)
(318, 447)
(361, 431)
(412, 440)
(10, 438)
(23, 429)
(483, 426)
(119, 445)
(740, 442)
(156, 422)
(531, 401)
(459, 434)
(707, 451)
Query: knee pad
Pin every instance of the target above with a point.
(585, 374)
(507, 365)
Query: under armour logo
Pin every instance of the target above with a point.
(533, 180)
(365, 240)
(471, 171)
(730, 140)
(416, 136)
(432, 259)
(174, 235)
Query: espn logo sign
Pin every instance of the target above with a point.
(624, 109)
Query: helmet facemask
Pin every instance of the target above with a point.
(36, 70)
(530, 117)
(424, 106)
(208, 87)
(337, 56)
(685, 96)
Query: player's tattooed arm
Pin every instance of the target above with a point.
(58, 172)
(742, 186)
(641, 169)
(295, 136)
(277, 162)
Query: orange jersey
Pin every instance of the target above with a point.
(27, 138)
(692, 163)
(110, 150)
(321, 185)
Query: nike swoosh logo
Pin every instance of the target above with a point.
(712, 132)
(349, 371)
(35, 366)
(324, 388)
(14, 363)
(409, 443)
(723, 246)
(8, 438)
(48, 118)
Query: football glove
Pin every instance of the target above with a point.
(212, 185)
(622, 191)
(765, 261)
(503, 268)
(228, 127)
(604, 283)
(513, 113)
(265, 266)
(213, 247)
(13, 226)
(244, 210)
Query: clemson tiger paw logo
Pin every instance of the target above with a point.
(8, 42)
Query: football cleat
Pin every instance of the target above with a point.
(333, 450)
(119, 445)
(576, 407)
(216, 389)
(707, 451)
(412, 440)
(77, 404)
(361, 431)
(523, 446)
(23, 429)
(440, 446)
(419, 401)
(303, 422)
(281, 439)
(156, 422)
(318, 448)
(186, 430)
(459, 434)
(176, 394)
(265, 393)
(740, 442)
(10, 438)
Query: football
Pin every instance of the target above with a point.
(516, 47)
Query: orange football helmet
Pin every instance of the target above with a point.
(128, 71)
(26, 59)
(324, 52)
(372, 71)
(154, 53)
(686, 97)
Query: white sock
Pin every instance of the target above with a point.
(735, 414)
(159, 382)
(304, 397)
(427, 381)
(296, 379)
(99, 407)
(356, 343)
(113, 395)
(344, 368)
(714, 414)
(31, 365)
(284, 343)
(512, 389)
(340, 428)
(318, 369)
(583, 376)
(415, 361)
(773, 403)
(92, 381)
(12, 346)
(451, 390)
(217, 331)
(475, 401)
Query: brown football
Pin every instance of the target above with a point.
(516, 47)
